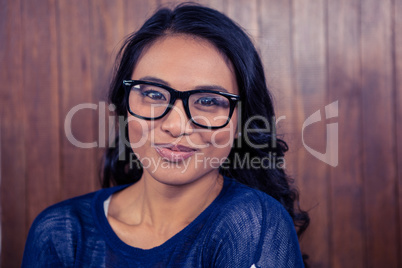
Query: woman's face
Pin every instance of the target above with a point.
(173, 150)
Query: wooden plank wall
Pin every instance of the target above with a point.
(56, 54)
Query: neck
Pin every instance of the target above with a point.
(171, 203)
(163, 207)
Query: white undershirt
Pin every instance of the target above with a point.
(106, 205)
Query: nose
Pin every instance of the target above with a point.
(176, 121)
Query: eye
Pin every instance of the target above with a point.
(207, 101)
(212, 101)
(155, 95)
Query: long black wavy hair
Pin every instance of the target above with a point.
(256, 102)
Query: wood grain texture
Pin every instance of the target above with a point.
(344, 82)
(218, 5)
(41, 102)
(12, 135)
(274, 43)
(245, 13)
(137, 13)
(309, 59)
(109, 21)
(74, 38)
(378, 138)
(397, 10)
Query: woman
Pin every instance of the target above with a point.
(193, 106)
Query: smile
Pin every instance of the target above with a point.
(174, 153)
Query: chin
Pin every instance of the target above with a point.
(176, 176)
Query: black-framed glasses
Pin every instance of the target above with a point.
(205, 108)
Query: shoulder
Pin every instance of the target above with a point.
(64, 213)
(244, 203)
(77, 210)
(62, 220)
(251, 227)
(55, 230)
(246, 212)
(58, 229)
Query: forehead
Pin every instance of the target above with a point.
(185, 62)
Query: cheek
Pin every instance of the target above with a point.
(224, 137)
(221, 140)
(138, 132)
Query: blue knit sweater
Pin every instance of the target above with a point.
(242, 227)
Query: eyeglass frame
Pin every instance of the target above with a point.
(184, 96)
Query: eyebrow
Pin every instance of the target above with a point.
(155, 80)
(204, 87)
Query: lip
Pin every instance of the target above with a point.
(174, 152)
